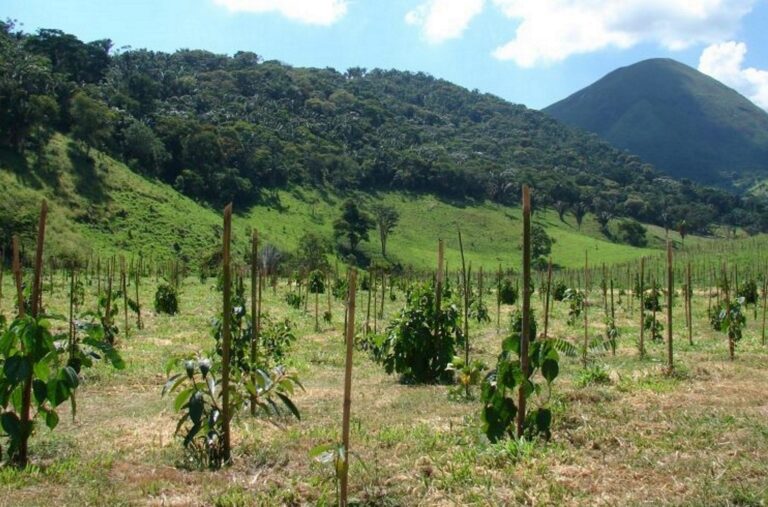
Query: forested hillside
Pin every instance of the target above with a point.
(230, 128)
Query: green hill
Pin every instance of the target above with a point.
(102, 207)
(238, 128)
(682, 121)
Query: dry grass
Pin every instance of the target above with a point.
(698, 438)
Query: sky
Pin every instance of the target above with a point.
(532, 52)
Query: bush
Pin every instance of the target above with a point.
(507, 292)
(748, 291)
(166, 299)
(632, 233)
(293, 300)
(410, 346)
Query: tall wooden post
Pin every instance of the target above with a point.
(641, 288)
(526, 321)
(670, 299)
(226, 332)
(350, 342)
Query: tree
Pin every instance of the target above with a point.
(603, 217)
(386, 218)
(353, 224)
(92, 120)
(311, 252)
(682, 228)
(632, 232)
(541, 243)
(561, 208)
(579, 212)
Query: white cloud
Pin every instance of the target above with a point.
(441, 20)
(314, 12)
(724, 62)
(552, 30)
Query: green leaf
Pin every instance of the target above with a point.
(196, 408)
(16, 369)
(11, 424)
(182, 398)
(550, 369)
(40, 391)
(51, 419)
(42, 370)
(69, 375)
(288, 403)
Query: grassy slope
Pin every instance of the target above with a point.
(102, 206)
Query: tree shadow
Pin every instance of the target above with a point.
(88, 182)
(17, 163)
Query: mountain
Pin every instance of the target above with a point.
(219, 128)
(673, 116)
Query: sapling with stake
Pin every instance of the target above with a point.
(226, 333)
(670, 298)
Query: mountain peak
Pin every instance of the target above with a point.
(681, 120)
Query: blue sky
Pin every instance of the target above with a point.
(533, 52)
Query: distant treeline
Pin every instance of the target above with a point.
(223, 128)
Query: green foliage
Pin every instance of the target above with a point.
(508, 292)
(633, 233)
(558, 291)
(729, 319)
(594, 374)
(691, 127)
(166, 299)
(467, 376)
(316, 282)
(575, 300)
(353, 225)
(651, 298)
(312, 252)
(418, 344)
(29, 356)
(501, 385)
(655, 327)
(748, 292)
(478, 311)
(340, 288)
(541, 242)
(199, 401)
(292, 299)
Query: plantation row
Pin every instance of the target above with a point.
(45, 356)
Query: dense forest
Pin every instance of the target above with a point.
(226, 128)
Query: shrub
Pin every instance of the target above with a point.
(415, 344)
(293, 300)
(166, 299)
(507, 292)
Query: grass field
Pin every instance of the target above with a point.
(697, 438)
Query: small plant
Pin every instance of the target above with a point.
(166, 299)
(651, 299)
(575, 300)
(655, 327)
(748, 292)
(479, 311)
(508, 293)
(466, 377)
(595, 374)
(729, 319)
(501, 386)
(293, 300)
(199, 400)
(340, 288)
(417, 343)
(558, 291)
(34, 375)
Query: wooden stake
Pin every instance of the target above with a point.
(526, 320)
(226, 332)
(670, 298)
(350, 342)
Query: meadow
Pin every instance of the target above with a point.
(623, 432)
